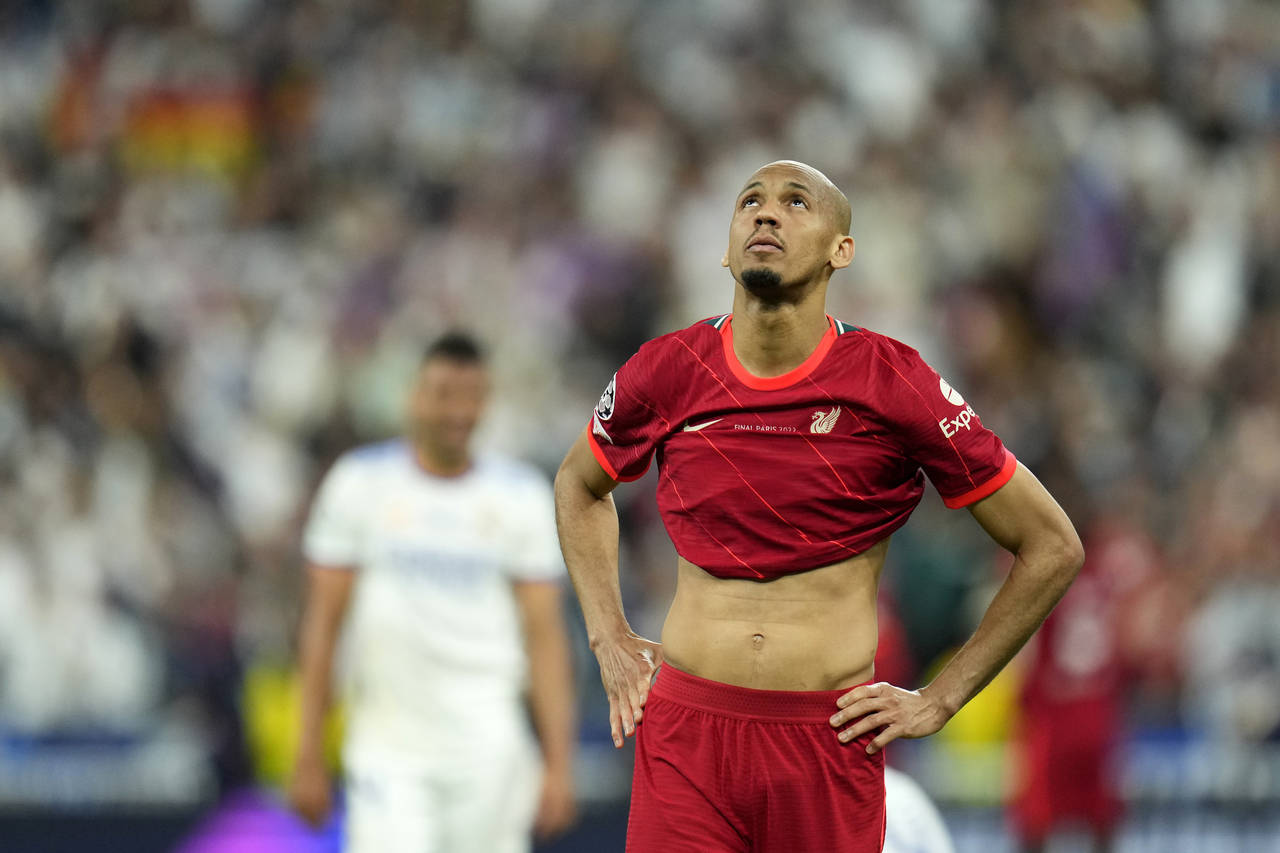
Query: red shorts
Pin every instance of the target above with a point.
(724, 769)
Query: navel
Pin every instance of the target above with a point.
(757, 641)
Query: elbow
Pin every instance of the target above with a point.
(1070, 555)
(1055, 557)
(1072, 548)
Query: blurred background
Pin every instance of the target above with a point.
(228, 226)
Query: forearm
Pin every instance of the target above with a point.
(551, 695)
(588, 528)
(1036, 582)
(315, 685)
(316, 652)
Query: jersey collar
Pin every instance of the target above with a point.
(786, 380)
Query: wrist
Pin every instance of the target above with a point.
(947, 702)
(558, 767)
(607, 634)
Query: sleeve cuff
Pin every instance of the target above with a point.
(598, 453)
(989, 487)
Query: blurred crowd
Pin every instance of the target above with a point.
(227, 227)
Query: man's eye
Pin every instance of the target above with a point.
(750, 201)
(799, 202)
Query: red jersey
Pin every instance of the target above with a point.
(762, 477)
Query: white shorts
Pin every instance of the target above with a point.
(485, 803)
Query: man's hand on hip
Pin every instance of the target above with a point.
(627, 665)
(894, 711)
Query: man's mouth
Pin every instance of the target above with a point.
(764, 243)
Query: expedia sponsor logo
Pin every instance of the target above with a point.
(952, 395)
(951, 426)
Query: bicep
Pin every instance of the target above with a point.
(1022, 511)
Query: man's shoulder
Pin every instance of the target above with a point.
(698, 337)
(877, 343)
(878, 353)
(378, 455)
(509, 471)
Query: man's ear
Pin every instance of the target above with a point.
(842, 253)
(724, 261)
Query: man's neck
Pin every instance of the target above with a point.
(771, 339)
(438, 464)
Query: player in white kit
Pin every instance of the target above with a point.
(443, 568)
(912, 822)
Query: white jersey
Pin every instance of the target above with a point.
(434, 655)
(912, 821)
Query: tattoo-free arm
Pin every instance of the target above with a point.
(587, 521)
(551, 699)
(328, 597)
(1025, 519)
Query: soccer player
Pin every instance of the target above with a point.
(444, 568)
(790, 446)
(1069, 728)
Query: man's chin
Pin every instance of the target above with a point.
(762, 282)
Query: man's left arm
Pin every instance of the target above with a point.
(1024, 519)
(551, 699)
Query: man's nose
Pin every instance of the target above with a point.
(766, 215)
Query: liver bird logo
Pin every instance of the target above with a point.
(824, 422)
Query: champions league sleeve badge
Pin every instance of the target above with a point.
(604, 410)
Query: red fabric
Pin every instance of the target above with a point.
(757, 482)
(722, 768)
(1072, 694)
(1065, 770)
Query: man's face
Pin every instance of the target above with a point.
(783, 224)
(446, 402)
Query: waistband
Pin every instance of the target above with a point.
(781, 706)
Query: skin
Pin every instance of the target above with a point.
(444, 407)
(778, 635)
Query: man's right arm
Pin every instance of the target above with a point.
(328, 596)
(587, 521)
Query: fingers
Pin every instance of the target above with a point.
(312, 809)
(866, 724)
(870, 707)
(864, 691)
(883, 739)
(627, 711)
(553, 821)
(624, 713)
(627, 674)
(861, 708)
(615, 721)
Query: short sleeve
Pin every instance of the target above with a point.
(534, 548)
(335, 531)
(627, 425)
(942, 433)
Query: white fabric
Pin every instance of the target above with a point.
(484, 804)
(912, 821)
(434, 658)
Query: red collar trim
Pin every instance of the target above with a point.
(774, 383)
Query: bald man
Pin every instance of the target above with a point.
(790, 446)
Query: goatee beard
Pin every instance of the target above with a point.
(763, 283)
